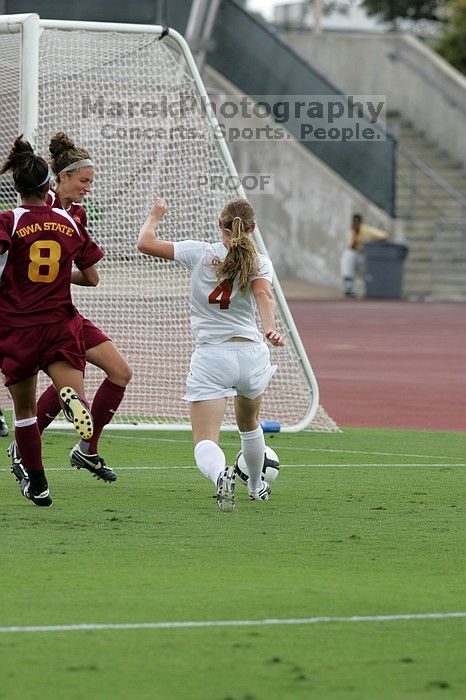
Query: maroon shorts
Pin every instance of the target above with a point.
(92, 335)
(25, 351)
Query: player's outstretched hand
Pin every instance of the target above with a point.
(159, 207)
(274, 338)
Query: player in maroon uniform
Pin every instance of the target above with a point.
(74, 173)
(40, 328)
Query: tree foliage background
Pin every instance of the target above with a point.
(409, 9)
(450, 14)
(452, 42)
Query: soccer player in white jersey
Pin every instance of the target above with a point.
(229, 280)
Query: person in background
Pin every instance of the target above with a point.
(352, 260)
(3, 425)
(40, 328)
(74, 173)
(229, 281)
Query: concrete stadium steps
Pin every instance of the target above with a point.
(423, 210)
(436, 264)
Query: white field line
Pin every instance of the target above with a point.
(282, 466)
(154, 438)
(286, 466)
(138, 438)
(232, 623)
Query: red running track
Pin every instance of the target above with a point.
(387, 364)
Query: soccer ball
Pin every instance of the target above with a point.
(269, 470)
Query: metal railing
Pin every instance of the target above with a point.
(449, 249)
(417, 169)
(398, 55)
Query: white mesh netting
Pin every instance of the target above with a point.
(10, 84)
(130, 101)
(10, 81)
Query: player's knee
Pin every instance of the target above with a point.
(121, 374)
(128, 373)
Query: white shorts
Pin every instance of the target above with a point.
(352, 261)
(228, 369)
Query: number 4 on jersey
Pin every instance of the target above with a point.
(221, 294)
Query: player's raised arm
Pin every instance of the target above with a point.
(148, 243)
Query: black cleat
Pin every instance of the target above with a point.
(39, 496)
(76, 412)
(17, 466)
(93, 464)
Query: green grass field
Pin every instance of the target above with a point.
(362, 524)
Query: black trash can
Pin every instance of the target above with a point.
(383, 269)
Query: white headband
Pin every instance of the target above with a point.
(49, 175)
(77, 164)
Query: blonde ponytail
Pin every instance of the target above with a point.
(241, 260)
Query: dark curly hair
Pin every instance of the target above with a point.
(63, 152)
(29, 170)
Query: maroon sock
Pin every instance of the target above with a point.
(48, 407)
(106, 401)
(29, 444)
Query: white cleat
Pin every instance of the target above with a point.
(260, 494)
(226, 490)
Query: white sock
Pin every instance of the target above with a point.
(210, 459)
(24, 422)
(253, 446)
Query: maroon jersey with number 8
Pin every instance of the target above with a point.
(35, 271)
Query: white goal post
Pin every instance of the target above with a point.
(133, 97)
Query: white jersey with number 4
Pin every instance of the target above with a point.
(218, 311)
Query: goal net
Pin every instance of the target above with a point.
(135, 101)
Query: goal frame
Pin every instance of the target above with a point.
(30, 25)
